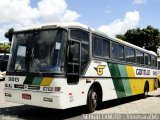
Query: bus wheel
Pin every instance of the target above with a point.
(146, 90)
(158, 83)
(91, 101)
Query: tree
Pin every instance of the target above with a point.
(148, 38)
(152, 37)
(136, 37)
(9, 34)
(122, 37)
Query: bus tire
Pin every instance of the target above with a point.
(146, 90)
(91, 101)
(158, 83)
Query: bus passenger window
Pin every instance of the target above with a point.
(115, 51)
(106, 49)
(130, 55)
(121, 52)
(146, 59)
(140, 57)
(97, 46)
(158, 65)
(153, 61)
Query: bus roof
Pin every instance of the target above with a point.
(53, 25)
(76, 24)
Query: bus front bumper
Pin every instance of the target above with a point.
(41, 99)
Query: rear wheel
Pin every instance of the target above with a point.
(146, 90)
(158, 83)
(91, 100)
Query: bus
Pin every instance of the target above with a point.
(65, 65)
(3, 61)
(158, 73)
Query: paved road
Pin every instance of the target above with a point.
(131, 105)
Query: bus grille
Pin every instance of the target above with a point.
(29, 87)
(33, 87)
(18, 86)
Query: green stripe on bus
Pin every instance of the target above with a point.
(118, 84)
(37, 80)
(28, 80)
(125, 80)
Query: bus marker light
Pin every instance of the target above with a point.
(57, 89)
(45, 89)
(50, 88)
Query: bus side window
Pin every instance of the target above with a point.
(158, 65)
(130, 55)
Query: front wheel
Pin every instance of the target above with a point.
(91, 100)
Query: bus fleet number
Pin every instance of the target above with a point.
(13, 79)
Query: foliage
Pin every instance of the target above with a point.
(9, 34)
(148, 38)
(4, 47)
(122, 37)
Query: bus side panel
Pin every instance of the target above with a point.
(151, 84)
(139, 78)
(137, 84)
(99, 72)
(122, 78)
(133, 82)
(125, 79)
(108, 89)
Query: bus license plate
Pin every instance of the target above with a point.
(26, 96)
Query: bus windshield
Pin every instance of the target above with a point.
(38, 51)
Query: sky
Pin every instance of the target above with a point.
(109, 16)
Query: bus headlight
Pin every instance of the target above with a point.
(47, 88)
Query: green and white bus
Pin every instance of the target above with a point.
(64, 65)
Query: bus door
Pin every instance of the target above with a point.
(78, 54)
(73, 66)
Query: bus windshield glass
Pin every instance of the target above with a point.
(38, 51)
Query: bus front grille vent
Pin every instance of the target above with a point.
(18, 86)
(29, 87)
(33, 87)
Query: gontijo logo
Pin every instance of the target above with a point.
(99, 69)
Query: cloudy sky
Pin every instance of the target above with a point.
(110, 16)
